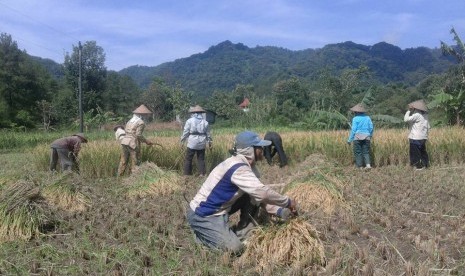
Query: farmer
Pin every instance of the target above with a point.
(197, 133)
(361, 133)
(131, 142)
(417, 119)
(232, 186)
(119, 132)
(66, 149)
(275, 147)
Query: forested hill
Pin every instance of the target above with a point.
(225, 65)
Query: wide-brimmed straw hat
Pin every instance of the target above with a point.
(420, 105)
(81, 135)
(196, 109)
(142, 109)
(358, 108)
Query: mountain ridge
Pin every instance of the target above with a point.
(227, 64)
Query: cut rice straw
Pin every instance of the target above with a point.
(295, 244)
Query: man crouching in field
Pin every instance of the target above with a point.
(232, 186)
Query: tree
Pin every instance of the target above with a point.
(93, 72)
(179, 101)
(23, 82)
(451, 98)
(121, 94)
(156, 98)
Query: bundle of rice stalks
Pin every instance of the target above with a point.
(314, 198)
(149, 179)
(295, 245)
(21, 215)
(64, 194)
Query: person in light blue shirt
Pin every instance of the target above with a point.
(361, 133)
(197, 133)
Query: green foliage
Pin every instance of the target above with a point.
(93, 73)
(285, 87)
(179, 101)
(451, 97)
(22, 82)
(225, 65)
(323, 120)
(386, 121)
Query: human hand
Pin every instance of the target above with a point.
(293, 207)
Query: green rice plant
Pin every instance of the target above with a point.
(21, 217)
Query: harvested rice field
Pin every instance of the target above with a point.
(390, 220)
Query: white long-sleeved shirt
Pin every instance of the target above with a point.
(197, 132)
(227, 183)
(418, 125)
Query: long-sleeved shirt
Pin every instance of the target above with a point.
(119, 134)
(228, 182)
(134, 129)
(71, 143)
(418, 125)
(197, 132)
(362, 128)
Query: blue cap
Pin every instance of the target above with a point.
(248, 139)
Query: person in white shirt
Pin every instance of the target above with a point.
(131, 141)
(197, 133)
(417, 119)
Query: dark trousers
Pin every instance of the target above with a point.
(362, 152)
(248, 211)
(418, 155)
(200, 161)
(275, 147)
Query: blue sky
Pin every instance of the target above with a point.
(144, 32)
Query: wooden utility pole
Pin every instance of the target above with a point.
(81, 117)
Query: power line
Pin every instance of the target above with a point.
(37, 21)
(41, 23)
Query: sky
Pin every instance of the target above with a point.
(151, 32)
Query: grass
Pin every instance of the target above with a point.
(387, 221)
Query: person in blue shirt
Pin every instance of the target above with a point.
(361, 133)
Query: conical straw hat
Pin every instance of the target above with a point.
(358, 108)
(81, 135)
(142, 109)
(196, 109)
(420, 105)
